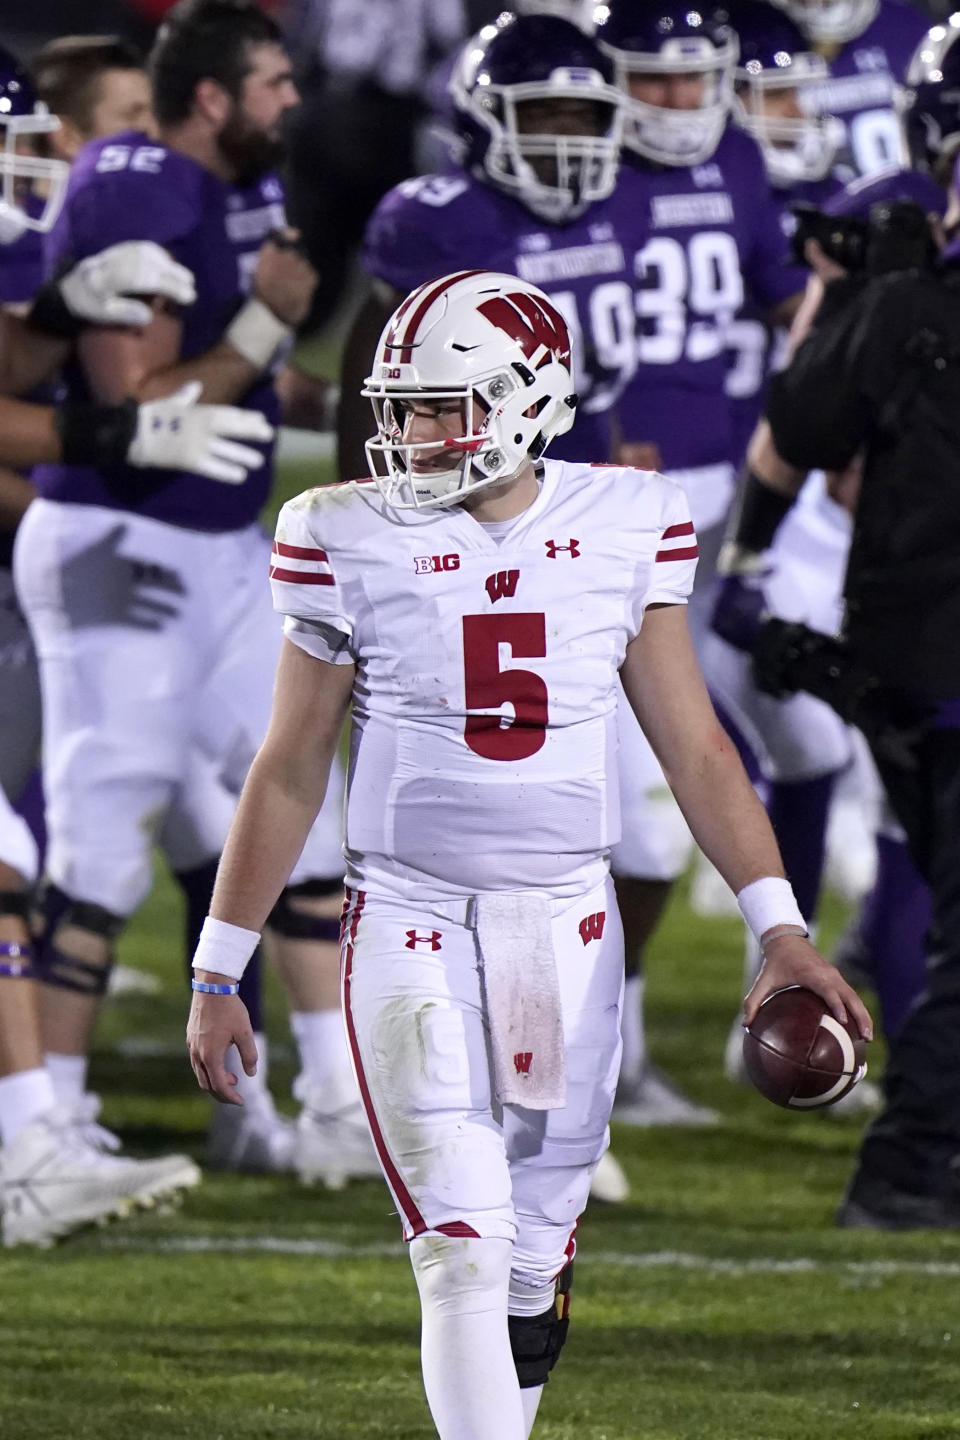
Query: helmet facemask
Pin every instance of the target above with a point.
(798, 147)
(831, 22)
(23, 173)
(678, 137)
(554, 175)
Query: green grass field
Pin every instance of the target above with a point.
(719, 1302)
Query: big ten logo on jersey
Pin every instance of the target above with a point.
(435, 564)
(591, 926)
(688, 290)
(143, 158)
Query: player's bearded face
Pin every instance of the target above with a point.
(250, 151)
(250, 138)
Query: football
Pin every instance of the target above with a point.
(798, 1054)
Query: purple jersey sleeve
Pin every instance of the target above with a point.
(768, 276)
(424, 228)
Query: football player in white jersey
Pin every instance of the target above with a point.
(474, 606)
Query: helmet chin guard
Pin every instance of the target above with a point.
(32, 187)
(497, 345)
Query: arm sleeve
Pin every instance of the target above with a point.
(816, 407)
(670, 577)
(306, 590)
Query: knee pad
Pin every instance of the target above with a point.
(536, 1340)
(68, 972)
(457, 1276)
(294, 924)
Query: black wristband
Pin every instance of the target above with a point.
(49, 313)
(95, 434)
(757, 513)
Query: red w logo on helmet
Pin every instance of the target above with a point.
(538, 328)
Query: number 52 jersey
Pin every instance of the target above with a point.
(483, 753)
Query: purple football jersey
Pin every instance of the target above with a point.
(715, 243)
(131, 188)
(863, 77)
(755, 346)
(440, 223)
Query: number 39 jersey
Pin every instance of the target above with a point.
(484, 736)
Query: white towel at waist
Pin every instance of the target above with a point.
(522, 995)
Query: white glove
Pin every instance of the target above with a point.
(97, 288)
(177, 434)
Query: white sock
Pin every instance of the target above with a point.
(322, 1043)
(530, 1400)
(23, 1096)
(468, 1369)
(69, 1076)
(632, 1031)
(249, 1085)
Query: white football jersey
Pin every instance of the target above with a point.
(484, 742)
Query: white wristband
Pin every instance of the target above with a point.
(224, 948)
(769, 904)
(257, 333)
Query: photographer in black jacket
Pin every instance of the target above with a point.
(877, 379)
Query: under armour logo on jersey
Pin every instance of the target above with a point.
(553, 549)
(432, 940)
(522, 1061)
(591, 926)
(433, 564)
(503, 583)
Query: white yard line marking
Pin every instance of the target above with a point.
(644, 1260)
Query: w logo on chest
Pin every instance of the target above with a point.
(503, 583)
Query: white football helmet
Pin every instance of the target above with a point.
(31, 187)
(499, 346)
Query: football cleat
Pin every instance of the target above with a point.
(252, 1137)
(332, 1142)
(53, 1181)
(653, 1099)
(608, 1183)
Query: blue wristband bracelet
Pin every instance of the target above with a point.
(206, 989)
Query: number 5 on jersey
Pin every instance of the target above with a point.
(487, 687)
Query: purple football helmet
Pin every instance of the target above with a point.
(929, 103)
(660, 38)
(22, 173)
(775, 85)
(527, 60)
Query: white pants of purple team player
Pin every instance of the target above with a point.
(127, 707)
